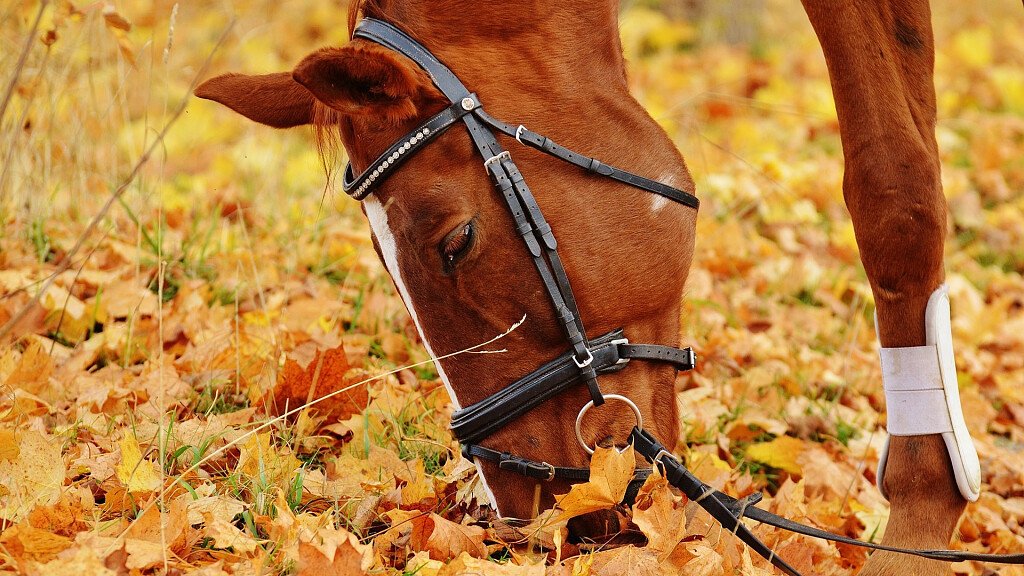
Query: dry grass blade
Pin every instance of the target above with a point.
(66, 261)
(22, 58)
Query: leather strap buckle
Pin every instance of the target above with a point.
(539, 470)
(497, 158)
(551, 472)
(692, 357)
(656, 461)
(519, 134)
(619, 342)
(581, 364)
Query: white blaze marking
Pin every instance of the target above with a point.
(378, 218)
(659, 201)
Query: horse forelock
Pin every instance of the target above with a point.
(327, 135)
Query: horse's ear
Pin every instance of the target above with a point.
(365, 79)
(272, 99)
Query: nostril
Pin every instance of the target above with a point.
(604, 528)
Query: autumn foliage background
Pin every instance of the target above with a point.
(155, 396)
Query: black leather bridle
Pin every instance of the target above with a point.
(586, 359)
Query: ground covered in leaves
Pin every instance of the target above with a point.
(217, 377)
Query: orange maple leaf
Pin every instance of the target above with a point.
(325, 377)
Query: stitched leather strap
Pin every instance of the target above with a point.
(548, 146)
(610, 352)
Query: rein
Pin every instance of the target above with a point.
(585, 359)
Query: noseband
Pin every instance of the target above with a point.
(585, 359)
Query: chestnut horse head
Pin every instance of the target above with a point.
(449, 241)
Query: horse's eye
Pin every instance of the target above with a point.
(455, 246)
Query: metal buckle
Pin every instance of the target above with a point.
(619, 342)
(496, 158)
(692, 357)
(551, 472)
(519, 133)
(581, 364)
(589, 405)
(656, 461)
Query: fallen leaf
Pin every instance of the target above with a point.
(35, 477)
(782, 453)
(448, 539)
(466, 565)
(610, 474)
(26, 543)
(227, 535)
(325, 378)
(660, 516)
(333, 552)
(624, 560)
(32, 371)
(79, 560)
(137, 475)
(266, 463)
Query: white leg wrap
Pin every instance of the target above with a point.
(922, 396)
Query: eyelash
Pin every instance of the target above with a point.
(456, 246)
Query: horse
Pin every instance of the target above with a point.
(456, 258)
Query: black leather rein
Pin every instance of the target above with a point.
(585, 359)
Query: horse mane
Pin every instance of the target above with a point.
(326, 121)
(357, 8)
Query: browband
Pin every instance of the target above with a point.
(389, 161)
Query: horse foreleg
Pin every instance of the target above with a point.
(880, 56)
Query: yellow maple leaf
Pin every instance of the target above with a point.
(272, 467)
(610, 473)
(466, 564)
(781, 453)
(137, 474)
(33, 476)
(8, 445)
(659, 516)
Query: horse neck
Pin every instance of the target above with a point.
(534, 51)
